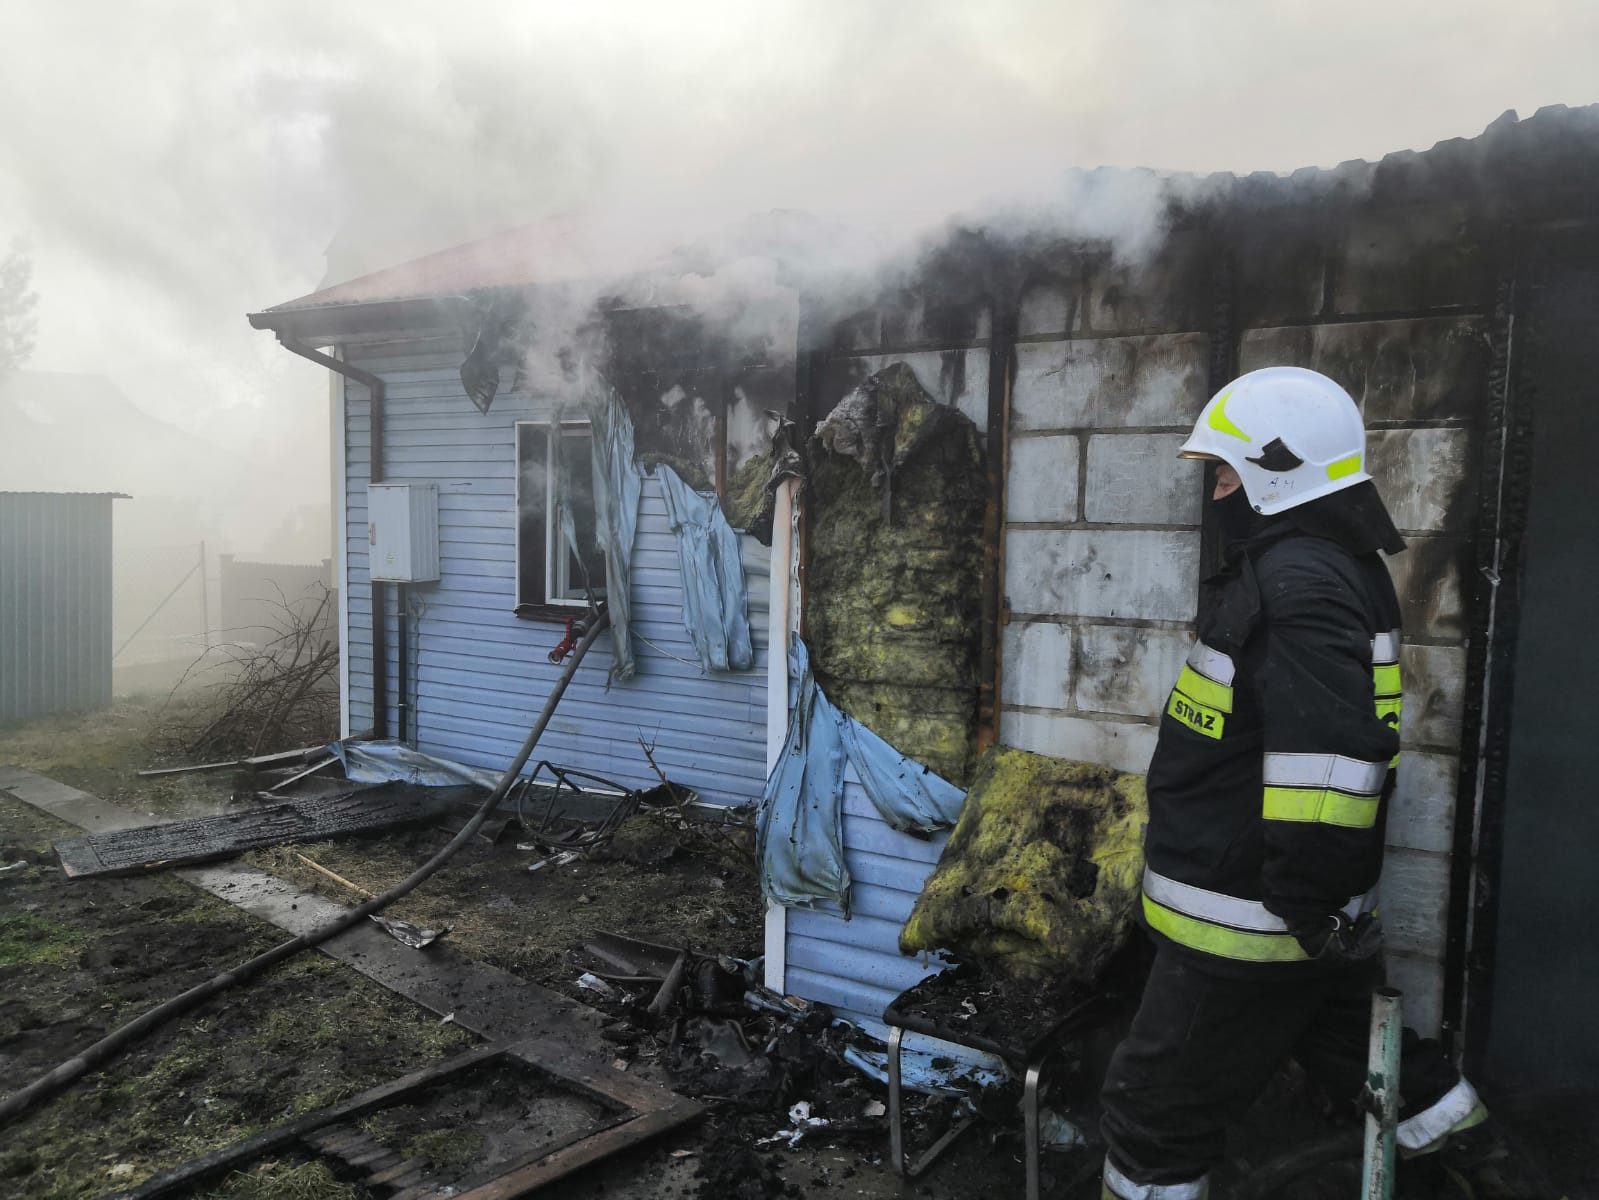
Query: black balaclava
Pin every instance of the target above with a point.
(1235, 518)
(1355, 518)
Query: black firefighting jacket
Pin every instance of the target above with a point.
(1269, 787)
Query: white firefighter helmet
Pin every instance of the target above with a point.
(1291, 434)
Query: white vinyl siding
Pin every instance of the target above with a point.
(479, 675)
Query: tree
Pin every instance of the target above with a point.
(17, 302)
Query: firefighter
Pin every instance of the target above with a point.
(1268, 794)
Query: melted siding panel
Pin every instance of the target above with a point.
(480, 675)
(855, 965)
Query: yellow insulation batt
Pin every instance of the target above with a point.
(1040, 877)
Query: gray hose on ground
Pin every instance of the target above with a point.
(118, 1039)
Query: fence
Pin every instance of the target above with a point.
(259, 600)
(55, 602)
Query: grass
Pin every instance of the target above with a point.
(446, 1147)
(286, 1181)
(25, 938)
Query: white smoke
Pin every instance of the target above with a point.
(179, 164)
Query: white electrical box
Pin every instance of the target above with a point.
(403, 532)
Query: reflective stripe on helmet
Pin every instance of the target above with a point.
(1343, 467)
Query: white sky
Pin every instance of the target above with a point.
(178, 164)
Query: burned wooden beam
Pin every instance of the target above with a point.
(303, 819)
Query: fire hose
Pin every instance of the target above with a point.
(119, 1039)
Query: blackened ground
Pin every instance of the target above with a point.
(79, 957)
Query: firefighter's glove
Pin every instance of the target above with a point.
(1336, 939)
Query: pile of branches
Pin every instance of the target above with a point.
(727, 839)
(277, 695)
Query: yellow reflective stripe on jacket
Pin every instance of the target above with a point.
(1386, 679)
(1227, 926)
(1198, 717)
(1387, 682)
(1207, 691)
(1330, 788)
(1221, 940)
(1325, 806)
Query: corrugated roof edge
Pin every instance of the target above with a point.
(555, 251)
(113, 495)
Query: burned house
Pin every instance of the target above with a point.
(992, 543)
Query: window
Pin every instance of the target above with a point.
(554, 485)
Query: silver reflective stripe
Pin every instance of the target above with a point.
(1216, 907)
(1125, 1189)
(1212, 664)
(1385, 648)
(1433, 1123)
(1221, 909)
(1325, 771)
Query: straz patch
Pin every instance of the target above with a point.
(1198, 717)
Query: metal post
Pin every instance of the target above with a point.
(1382, 1094)
(205, 603)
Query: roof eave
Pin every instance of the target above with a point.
(334, 323)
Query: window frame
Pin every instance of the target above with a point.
(546, 607)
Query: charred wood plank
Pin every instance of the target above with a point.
(584, 1151)
(293, 819)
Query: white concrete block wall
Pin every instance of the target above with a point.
(1101, 556)
(1129, 573)
(1126, 669)
(1109, 383)
(1136, 478)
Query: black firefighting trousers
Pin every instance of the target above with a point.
(1203, 1046)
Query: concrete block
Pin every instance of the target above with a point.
(1127, 671)
(1408, 259)
(1281, 276)
(1421, 815)
(1415, 900)
(1435, 688)
(1415, 370)
(1111, 382)
(1421, 979)
(955, 377)
(1136, 478)
(859, 331)
(1102, 573)
(1172, 288)
(1424, 476)
(910, 319)
(1041, 482)
(1045, 308)
(1429, 577)
(1121, 745)
(1036, 668)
